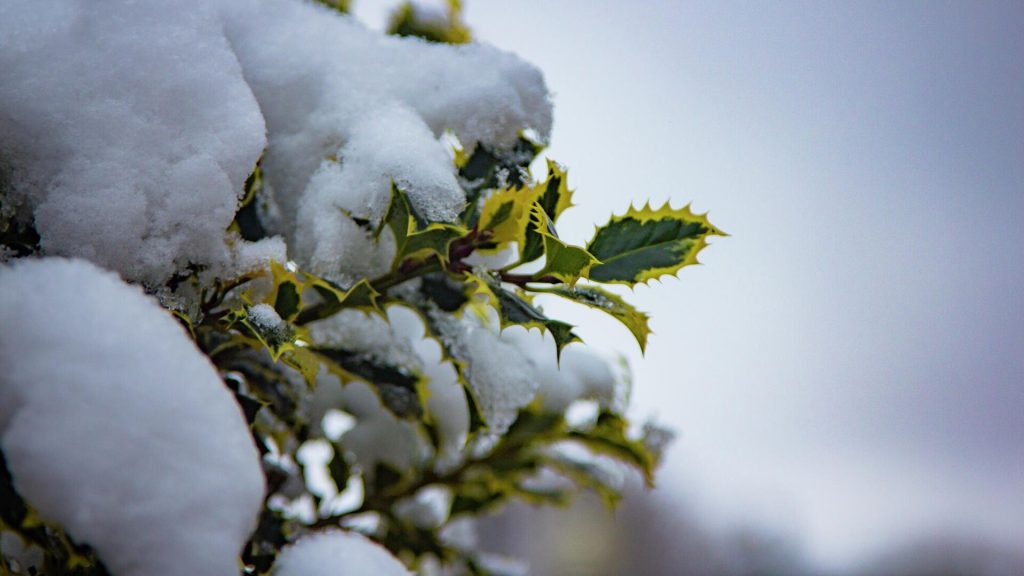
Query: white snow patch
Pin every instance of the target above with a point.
(265, 318)
(500, 376)
(337, 552)
(350, 110)
(580, 374)
(428, 509)
(128, 130)
(114, 425)
(379, 437)
(399, 340)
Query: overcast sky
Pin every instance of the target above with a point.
(848, 367)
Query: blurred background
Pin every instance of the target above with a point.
(846, 372)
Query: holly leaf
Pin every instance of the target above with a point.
(480, 169)
(397, 216)
(562, 261)
(415, 238)
(361, 295)
(434, 240)
(449, 297)
(609, 303)
(286, 297)
(516, 310)
(645, 244)
(556, 196)
(505, 215)
(553, 197)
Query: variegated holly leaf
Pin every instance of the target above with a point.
(484, 168)
(505, 216)
(434, 240)
(553, 197)
(562, 261)
(361, 295)
(516, 310)
(609, 303)
(645, 244)
(415, 238)
(286, 296)
(410, 19)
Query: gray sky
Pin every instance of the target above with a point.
(848, 367)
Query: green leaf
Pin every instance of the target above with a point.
(505, 216)
(342, 6)
(479, 170)
(434, 240)
(554, 197)
(304, 361)
(362, 296)
(562, 261)
(645, 244)
(247, 221)
(447, 294)
(276, 339)
(586, 475)
(286, 301)
(449, 297)
(286, 343)
(514, 309)
(397, 216)
(414, 238)
(409, 20)
(339, 468)
(287, 293)
(609, 303)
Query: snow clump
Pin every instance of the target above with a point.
(128, 131)
(349, 110)
(115, 426)
(337, 552)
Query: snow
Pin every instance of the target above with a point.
(268, 323)
(399, 340)
(580, 374)
(507, 369)
(128, 131)
(349, 111)
(500, 376)
(114, 425)
(337, 552)
(404, 448)
(16, 552)
(265, 318)
(428, 509)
